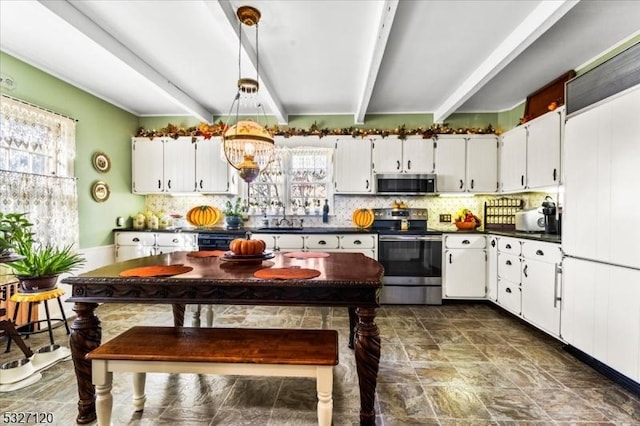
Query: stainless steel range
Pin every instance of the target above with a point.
(411, 255)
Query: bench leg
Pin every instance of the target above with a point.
(196, 316)
(139, 398)
(208, 312)
(324, 385)
(102, 379)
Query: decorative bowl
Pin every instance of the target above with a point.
(466, 225)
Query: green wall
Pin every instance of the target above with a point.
(101, 127)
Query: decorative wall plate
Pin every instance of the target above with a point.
(101, 162)
(100, 191)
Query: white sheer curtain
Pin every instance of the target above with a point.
(37, 150)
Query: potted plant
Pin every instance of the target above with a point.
(12, 228)
(40, 266)
(233, 214)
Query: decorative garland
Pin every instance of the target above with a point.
(217, 129)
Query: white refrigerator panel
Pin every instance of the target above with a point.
(602, 199)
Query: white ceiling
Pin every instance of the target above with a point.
(352, 57)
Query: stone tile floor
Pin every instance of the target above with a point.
(455, 364)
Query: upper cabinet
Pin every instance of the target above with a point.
(411, 155)
(352, 166)
(178, 166)
(467, 163)
(163, 165)
(530, 154)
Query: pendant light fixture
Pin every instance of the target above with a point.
(248, 146)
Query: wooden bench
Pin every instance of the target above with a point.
(233, 351)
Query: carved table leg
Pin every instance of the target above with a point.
(178, 315)
(85, 336)
(353, 320)
(367, 362)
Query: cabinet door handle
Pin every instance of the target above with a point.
(136, 240)
(555, 173)
(556, 298)
(322, 242)
(466, 242)
(508, 246)
(472, 183)
(508, 262)
(175, 240)
(522, 180)
(169, 184)
(367, 184)
(159, 184)
(524, 271)
(461, 183)
(493, 243)
(398, 165)
(508, 290)
(539, 253)
(409, 165)
(357, 242)
(200, 183)
(450, 258)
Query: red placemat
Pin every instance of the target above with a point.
(306, 254)
(206, 253)
(286, 273)
(156, 271)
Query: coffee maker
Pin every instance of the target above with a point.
(549, 212)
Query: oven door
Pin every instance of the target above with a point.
(412, 269)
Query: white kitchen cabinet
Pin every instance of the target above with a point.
(482, 164)
(601, 313)
(163, 165)
(411, 155)
(509, 274)
(131, 245)
(541, 285)
(353, 166)
(530, 155)
(450, 159)
(213, 175)
(513, 159)
(465, 259)
(544, 145)
(602, 155)
(467, 163)
(346, 243)
(509, 296)
(492, 268)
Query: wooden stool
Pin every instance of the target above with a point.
(33, 299)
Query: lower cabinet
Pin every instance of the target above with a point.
(601, 313)
(465, 262)
(366, 244)
(131, 245)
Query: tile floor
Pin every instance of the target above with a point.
(456, 364)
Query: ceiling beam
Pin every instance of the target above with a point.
(266, 88)
(545, 15)
(90, 29)
(388, 12)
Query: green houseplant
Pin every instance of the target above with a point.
(233, 213)
(40, 265)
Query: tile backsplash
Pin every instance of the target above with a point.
(344, 205)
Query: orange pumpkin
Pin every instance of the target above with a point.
(203, 216)
(363, 218)
(247, 247)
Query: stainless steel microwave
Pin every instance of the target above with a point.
(405, 183)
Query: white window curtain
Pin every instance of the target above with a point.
(37, 150)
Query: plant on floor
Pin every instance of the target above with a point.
(38, 261)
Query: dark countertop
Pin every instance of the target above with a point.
(537, 236)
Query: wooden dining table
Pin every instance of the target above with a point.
(348, 280)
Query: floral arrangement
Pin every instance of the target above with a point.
(217, 129)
